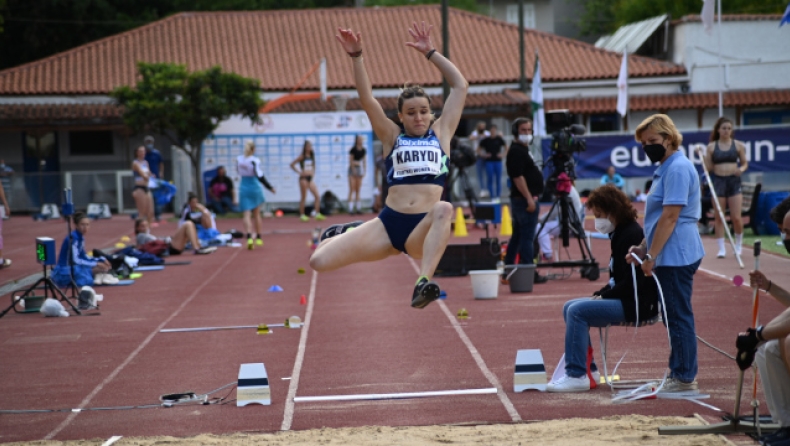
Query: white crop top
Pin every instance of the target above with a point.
(249, 166)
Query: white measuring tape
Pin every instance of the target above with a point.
(646, 390)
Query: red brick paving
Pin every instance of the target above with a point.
(363, 338)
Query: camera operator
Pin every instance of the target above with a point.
(526, 186)
(773, 356)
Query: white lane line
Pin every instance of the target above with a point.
(714, 274)
(139, 348)
(393, 396)
(288, 415)
(112, 440)
(509, 407)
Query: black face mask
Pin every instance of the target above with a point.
(655, 152)
(787, 244)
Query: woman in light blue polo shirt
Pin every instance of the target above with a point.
(672, 248)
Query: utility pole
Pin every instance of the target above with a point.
(445, 46)
(521, 58)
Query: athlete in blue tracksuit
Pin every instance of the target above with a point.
(73, 246)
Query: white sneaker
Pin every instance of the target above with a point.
(596, 375)
(569, 384)
(721, 254)
(98, 279)
(738, 249)
(674, 385)
(109, 279)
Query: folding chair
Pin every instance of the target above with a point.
(603, 334)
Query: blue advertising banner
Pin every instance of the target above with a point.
(767, 150)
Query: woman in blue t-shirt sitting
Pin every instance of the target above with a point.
(414, 219)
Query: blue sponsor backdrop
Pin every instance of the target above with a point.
(768, 150)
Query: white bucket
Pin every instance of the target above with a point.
(485, 284)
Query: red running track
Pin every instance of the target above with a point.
(361, 337)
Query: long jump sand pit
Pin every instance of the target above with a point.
(621, 430)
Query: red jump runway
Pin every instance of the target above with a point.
(360, 337)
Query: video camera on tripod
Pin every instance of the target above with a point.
(563, 145)
(559, 183)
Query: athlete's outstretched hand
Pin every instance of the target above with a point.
(422, 37)
(350, 41)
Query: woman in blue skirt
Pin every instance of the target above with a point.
(250, 192)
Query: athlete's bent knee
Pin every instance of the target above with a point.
(318, 262)
(315, 262)
(442, 210)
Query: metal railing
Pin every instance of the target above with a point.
(27, 192)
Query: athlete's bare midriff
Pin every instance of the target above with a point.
(726, 169)
(413, 198)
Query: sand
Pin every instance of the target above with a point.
(621, 430)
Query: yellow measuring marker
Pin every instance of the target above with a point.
(462, 314)
(263, 329)
(612, 378)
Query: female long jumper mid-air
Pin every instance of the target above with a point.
(414, 220)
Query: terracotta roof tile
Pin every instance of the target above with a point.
(507, 98)
(279, 47)
(672, 101)
(59, 112)
(390, 104)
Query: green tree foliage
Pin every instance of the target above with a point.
(186, 107)
(605, 16)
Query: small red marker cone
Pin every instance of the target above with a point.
(302, 300)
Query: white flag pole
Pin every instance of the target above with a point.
(627, 93)
(622, 90)
(721, 67)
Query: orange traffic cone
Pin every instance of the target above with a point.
(302, 300)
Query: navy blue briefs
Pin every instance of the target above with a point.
(399, 226)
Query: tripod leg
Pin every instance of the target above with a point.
(60, 295)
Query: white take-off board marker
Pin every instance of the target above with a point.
(530, 371)
(253, 385)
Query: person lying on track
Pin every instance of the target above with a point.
(414, 220)
(177, 243)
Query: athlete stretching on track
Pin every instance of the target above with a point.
(413, 221)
